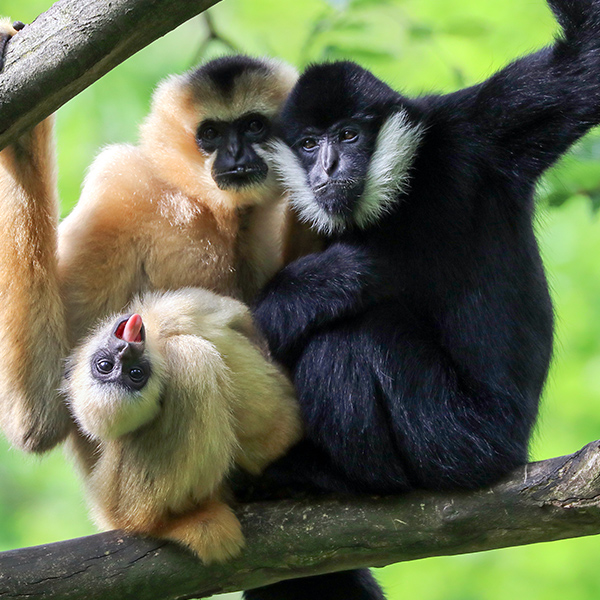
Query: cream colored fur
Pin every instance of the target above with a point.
(150, 217)
(213, 401)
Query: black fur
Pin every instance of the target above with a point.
(348, 585)
(420, 345)
(224, 71)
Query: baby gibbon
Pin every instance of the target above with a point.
(169, 399)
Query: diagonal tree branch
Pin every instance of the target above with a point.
(545, 501)
(72, 45)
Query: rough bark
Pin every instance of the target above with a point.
(550, 500)
(72, 45)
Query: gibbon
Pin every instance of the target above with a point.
(170, 398)
(192, 205)
(420, 339)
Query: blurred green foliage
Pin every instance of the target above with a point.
(417, 46)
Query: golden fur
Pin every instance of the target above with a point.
(157, 458)
(150, 217)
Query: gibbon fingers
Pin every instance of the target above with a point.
(170, 399)
(193, 204)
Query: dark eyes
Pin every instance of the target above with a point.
(136, 374)
(255, 126)
(348, 135)
(105, 366)
(309, 143)
(209, 133)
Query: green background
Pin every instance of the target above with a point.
(417, 46)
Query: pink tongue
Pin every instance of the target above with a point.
(133, 329)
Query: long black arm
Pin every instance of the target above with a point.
(529, 113)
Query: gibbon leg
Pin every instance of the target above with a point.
(212, 531)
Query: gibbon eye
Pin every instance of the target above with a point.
(349, 134)
(136, 374)
(209, 134)
(105, 366)
(255, 126)
(309, 143)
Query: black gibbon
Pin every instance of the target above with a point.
(193, 204)
(171, 398)
(420, 339)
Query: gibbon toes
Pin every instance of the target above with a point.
(7, 30)
(212, 532)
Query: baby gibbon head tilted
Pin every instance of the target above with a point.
(207, 129)
(170, 399)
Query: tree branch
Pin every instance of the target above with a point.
(545, 501)
(72, 45)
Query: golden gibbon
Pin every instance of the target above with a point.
(193, 204)
(171, 397)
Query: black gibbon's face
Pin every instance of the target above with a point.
(336, 161)
(349, 146)
(236, 164)
(121, 358)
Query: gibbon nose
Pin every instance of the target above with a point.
(128, 352)
(330, 159)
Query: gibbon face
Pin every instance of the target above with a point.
(119, 377)
(208, 129)
(236, 164)
(121, 359)
(351, 144)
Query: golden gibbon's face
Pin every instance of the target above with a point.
(209, 129)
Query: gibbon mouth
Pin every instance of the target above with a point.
(344, 184)
(120, 328)
(338, 198)
(241, 177)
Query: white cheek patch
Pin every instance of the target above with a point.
(388, 174)
(292, 175)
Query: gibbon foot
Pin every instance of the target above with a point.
(213, 532)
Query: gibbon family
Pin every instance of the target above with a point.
(192, 206)
(419, 338)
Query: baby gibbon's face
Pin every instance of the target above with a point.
(121, 359)
(113, 388)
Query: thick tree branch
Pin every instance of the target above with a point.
(545, 501)
(72, 45)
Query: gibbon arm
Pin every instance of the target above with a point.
(56, 281)
(32, 330)
(99, 259)
(533, 110)
(310, 292)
